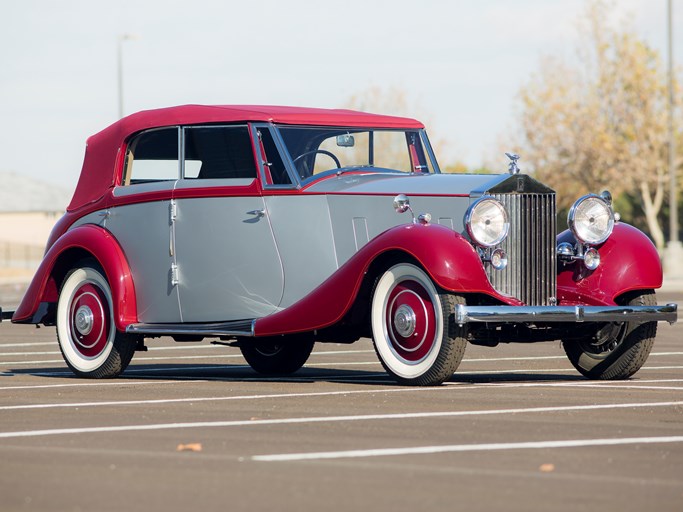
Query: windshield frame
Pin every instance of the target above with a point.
(364, 169)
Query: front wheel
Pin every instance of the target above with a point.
(279, 355)
(87, 335)
(413, 327)
(617, 350)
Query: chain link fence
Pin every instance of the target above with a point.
(20, 256)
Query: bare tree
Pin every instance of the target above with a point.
(601, 123)
(395, 101)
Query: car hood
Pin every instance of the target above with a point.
(473, 185)
(416, 184)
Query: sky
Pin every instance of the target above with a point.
(460, 63)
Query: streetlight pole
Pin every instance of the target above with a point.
(119, 68)
(673, 193)
(673, 258)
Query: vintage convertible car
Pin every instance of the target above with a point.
(273, 228)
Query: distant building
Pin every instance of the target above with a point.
(29, 208)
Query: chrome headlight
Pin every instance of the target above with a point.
(591, 219)
(487, 222)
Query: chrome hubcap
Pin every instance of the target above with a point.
(84, 320)
(404, 320)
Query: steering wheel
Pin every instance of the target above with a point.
(323, 151)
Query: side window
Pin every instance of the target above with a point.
(218, 153)
(152, 156)
(274, 168)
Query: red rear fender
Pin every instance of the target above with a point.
(84, 241)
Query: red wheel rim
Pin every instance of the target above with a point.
(411, 321)
(89, 320)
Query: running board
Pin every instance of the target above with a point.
(232, 328)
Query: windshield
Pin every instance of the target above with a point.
(321, 150)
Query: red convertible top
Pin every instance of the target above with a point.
(98, 172)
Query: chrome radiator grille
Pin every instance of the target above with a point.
(531, 274)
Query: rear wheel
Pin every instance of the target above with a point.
(413, 328)
(617, 350)
(87, 335)
(279, 355)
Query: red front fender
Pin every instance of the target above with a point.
(628, 261)
(445, 255)
(84, 240)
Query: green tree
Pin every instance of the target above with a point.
(601, 123)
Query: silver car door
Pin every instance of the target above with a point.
(228, 263)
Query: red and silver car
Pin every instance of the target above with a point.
(273, 228)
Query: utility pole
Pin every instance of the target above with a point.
(673, 256)
(119, 68)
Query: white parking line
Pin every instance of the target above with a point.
(37, 344)
(109, 383)
(623, 384)
(540, 358)
(470, 373)
(348, 363)
(449, 385)
(152, 369)
(150, 349)
(329, 419)
(138, 359)
(421, 450)
(361, 378)
(296, 378)
(156, 349)
(143, 358)
(209, 399)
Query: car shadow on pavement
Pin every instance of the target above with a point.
(217, 372)
(243, 373)
(510, 377)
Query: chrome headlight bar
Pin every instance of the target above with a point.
(591, 220)
(487, 222)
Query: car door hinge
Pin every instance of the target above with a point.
(174, 274)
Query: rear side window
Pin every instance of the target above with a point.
(221, 152)
(152, 156)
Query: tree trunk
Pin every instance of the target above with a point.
(651, 208)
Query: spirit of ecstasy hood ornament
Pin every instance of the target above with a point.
(512, 166)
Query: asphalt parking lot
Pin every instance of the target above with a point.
(190, 427)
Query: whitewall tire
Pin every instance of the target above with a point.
(87, 335)
(413, 329)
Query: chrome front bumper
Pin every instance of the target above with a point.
(569, 314)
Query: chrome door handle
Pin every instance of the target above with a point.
(258, 213)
